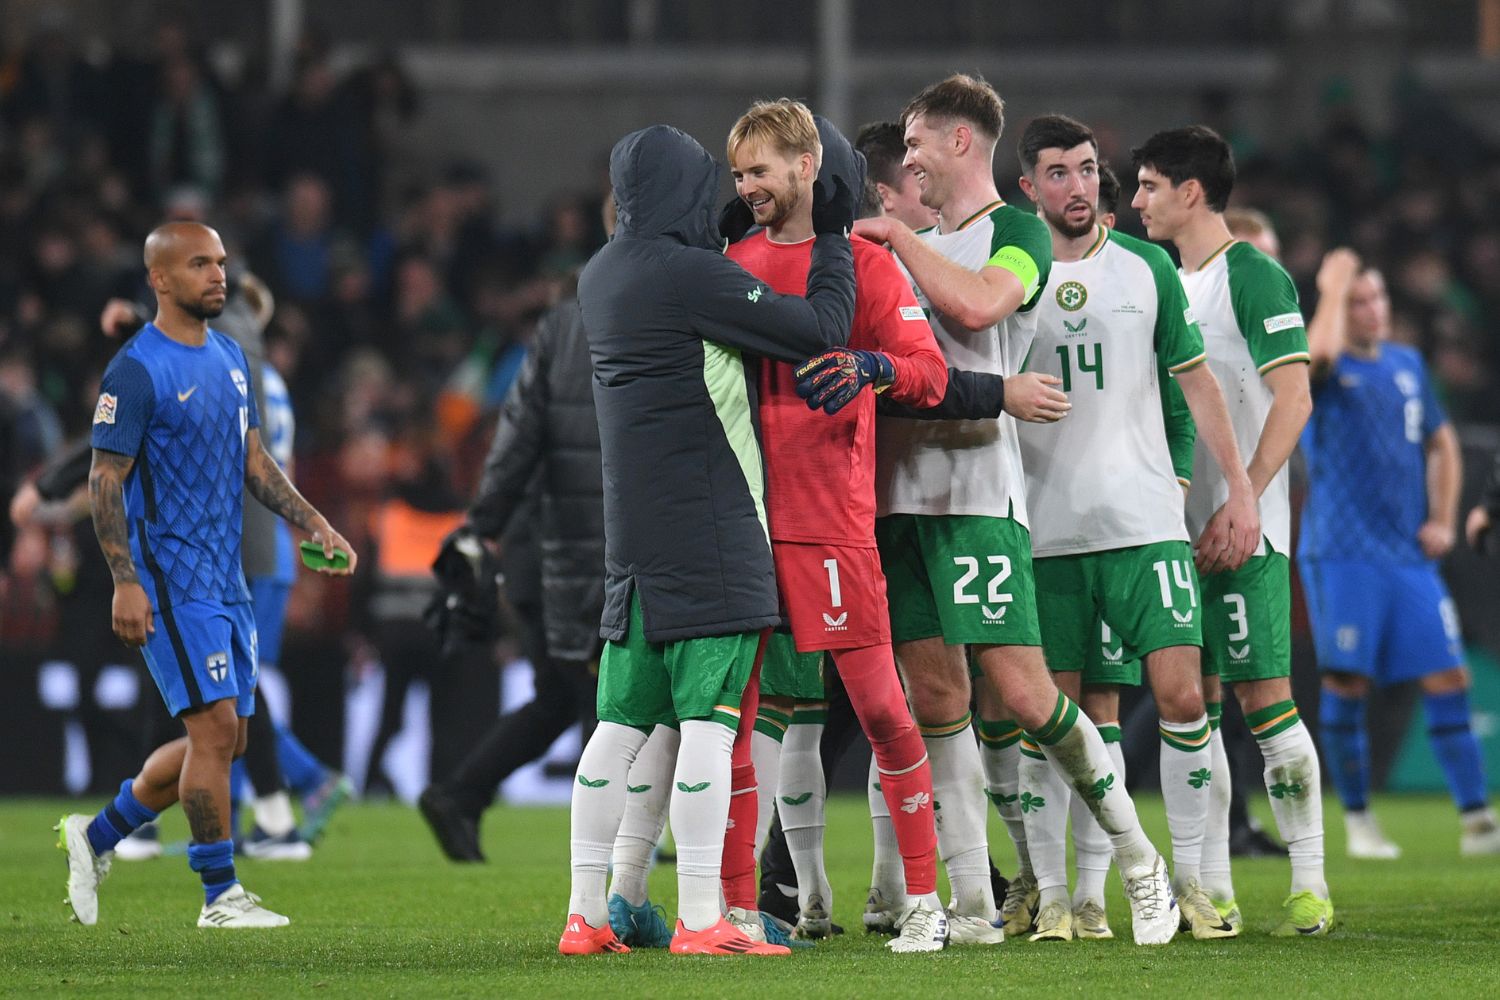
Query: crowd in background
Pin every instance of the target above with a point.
(404, 307)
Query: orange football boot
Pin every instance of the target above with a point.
(723, 938)
(581, 939)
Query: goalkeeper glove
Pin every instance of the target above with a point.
(832, 380)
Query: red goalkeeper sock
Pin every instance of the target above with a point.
(869, 675)
(739, 839)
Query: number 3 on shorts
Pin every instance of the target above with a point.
(993, 594)
(1238, 616)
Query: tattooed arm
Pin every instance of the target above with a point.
(268, 484)
(130, 611)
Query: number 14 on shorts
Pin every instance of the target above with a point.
(1175, 577)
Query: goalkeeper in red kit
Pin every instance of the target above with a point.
(820, 469)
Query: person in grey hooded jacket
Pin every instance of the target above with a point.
(689, 582)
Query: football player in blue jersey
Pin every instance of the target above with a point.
(176, 440)
(1384, 472)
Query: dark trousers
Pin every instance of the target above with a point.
(566, 693)
(463, 686)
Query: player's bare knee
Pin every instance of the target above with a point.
(214, 729)
(1182, 704)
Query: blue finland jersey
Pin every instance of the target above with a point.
(1366, 459)
(181, 412)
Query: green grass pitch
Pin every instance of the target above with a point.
(378, 913)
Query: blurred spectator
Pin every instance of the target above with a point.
(55, 87)
(299, 246)
(185, 139)
(313, 132)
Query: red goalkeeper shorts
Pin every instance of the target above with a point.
(834, 595)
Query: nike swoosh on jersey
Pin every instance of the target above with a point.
(182, 397)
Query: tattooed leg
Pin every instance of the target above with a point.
(213, 736)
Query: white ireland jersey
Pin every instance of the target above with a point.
(1246, 306)
(1110, 326)
(969, 466)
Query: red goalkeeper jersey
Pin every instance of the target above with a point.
(820, 469)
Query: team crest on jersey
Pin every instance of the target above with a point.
(239, 381)
(1071, 295)
(218, 666)
(1347, 638)
(104, 411)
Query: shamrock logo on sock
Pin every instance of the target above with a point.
(1030, 802)
(1001, 799)
(1101, 787)
(796, 800)
(683, 786)
(592, 783)
(912, 803)
(1200, 777)
(638, 789)
(1281, 790)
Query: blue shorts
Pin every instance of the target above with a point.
(269, 595)
(1388, 623)
(203, 652)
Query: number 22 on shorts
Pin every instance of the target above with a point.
(993, 593)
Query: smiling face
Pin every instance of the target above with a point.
(776, 185)
(1065, 184)
(931, 154)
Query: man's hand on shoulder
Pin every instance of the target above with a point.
(877, 229)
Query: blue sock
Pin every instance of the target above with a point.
(1455, 746)
(303, 772)
(1346, 747)
(214, 863)
(118, 820)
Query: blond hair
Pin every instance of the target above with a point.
(784, 125)
(1247, 223)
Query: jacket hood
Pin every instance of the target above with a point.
(840, 159)
(665, 185)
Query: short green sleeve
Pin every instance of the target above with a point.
(1182, 433)
(1176, 339)
(1021, 245)
(1265, 306)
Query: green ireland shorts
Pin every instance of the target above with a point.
(644, 684)
(786, 673)
(1147, 594)
(966, 578)
(1247, 620)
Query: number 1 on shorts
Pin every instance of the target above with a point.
(835, 596)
